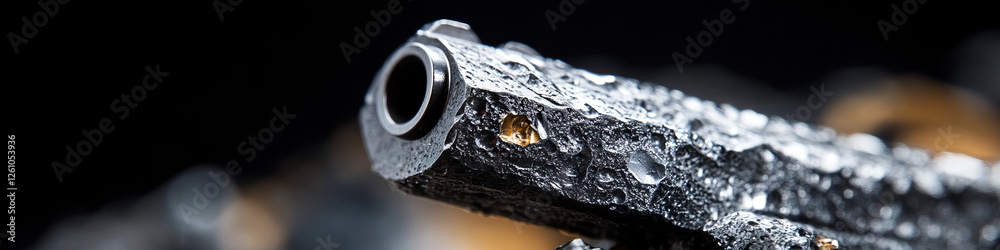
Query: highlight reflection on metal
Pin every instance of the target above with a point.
(648, 166)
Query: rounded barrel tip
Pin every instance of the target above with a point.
(412, 89)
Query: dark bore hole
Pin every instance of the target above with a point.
(405, 89)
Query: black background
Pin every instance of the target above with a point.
(227, 75)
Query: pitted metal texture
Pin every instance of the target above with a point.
(647, 165)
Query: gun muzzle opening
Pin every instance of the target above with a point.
(412, 89)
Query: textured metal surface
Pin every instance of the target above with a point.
(649, 166)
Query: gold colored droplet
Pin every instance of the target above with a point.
(516, 129)
(825, 243)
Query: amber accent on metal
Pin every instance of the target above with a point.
(516, 129)
(824, 243)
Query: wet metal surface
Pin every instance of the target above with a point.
(649, 166)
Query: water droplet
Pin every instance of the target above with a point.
(486, 142)
(694, 104)
(784, 210)
(802, 129)
(597, 79)
(516, 66)
(676, 94)
(658, 142)
(829, 162)
(745, 202)
(989, 233)
(589, 111)
(929, 183)
(848, 193)
(900, 185)
(759, 200)
(752, 120)
(452, 136)
(905, 230)
(645, 169)
(871, 171)
(960, 165)
(568, 144)
(709, 181)
(474, 107)
(695, 124)
(618, 196)
(517, 130)
(796, 151)
(767, 155)
(605, 175)
(540, 125)
(726, 192)
(885, 212)
(866, 143)
(824, 183)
